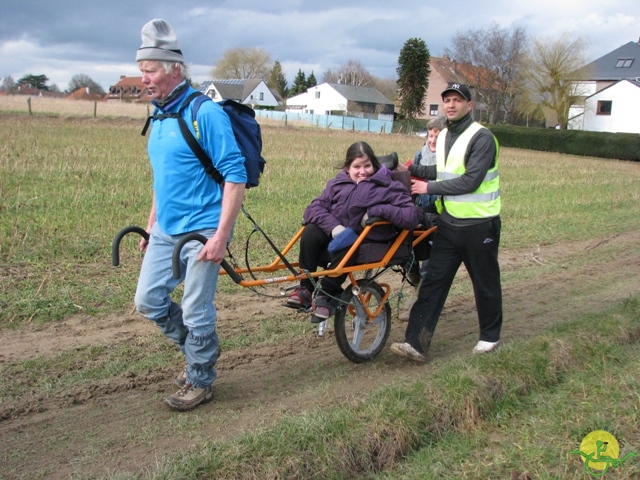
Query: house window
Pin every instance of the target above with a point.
(261, 95)
(433, 110)
(624, 62)
(251, 97)
(317, 94)
(604, 107)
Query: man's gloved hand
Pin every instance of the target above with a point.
(343, 240)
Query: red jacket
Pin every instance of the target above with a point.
(344, 202)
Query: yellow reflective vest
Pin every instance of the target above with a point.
(485, 201)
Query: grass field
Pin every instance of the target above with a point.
(69, 183)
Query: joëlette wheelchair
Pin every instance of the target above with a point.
(362, 321)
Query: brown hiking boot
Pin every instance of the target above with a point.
(181, 379)
(189, 397)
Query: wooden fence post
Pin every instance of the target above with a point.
(29, 104)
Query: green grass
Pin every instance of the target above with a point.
(523, 409)
(69, 185)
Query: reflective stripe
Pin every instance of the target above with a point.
(473, 197)
(450, 176)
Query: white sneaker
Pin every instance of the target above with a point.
(407, 351)
(485, 347)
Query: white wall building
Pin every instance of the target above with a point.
(612, 109)
(611, 85)
(251, 91)
(338, 99)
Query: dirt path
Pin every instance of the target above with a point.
(122, 425)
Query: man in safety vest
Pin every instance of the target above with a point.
(467, 182)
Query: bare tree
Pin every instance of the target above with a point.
(551, 66)
(81, 80)
(387, 87)
(498, 53)
(8, 84)
(351, 73)
(243, 63)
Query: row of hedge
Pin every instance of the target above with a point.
(621, 146)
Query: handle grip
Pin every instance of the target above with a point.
(175, 260)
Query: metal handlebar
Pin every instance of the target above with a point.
(115, 246)
(175, 260)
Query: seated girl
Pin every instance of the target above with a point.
(361, 190)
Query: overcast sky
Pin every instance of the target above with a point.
(99, 38)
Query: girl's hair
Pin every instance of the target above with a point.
(360, 149)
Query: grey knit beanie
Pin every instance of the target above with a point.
(159, 42)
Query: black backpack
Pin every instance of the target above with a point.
(245, 129)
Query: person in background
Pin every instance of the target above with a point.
(334, 219)
(423, 167)
(185, 200)
(468, 228)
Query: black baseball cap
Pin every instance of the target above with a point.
(461, 89)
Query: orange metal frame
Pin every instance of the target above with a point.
(277, 264)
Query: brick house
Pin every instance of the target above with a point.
(444, 73)
(85, 93)
(128, 89)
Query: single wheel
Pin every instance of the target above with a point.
(360, 339)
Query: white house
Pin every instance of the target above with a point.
(612, 94)
(612, 109)
(338, 99)
(251, 91)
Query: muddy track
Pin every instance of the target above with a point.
(122, 424)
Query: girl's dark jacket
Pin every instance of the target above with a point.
(344, 202)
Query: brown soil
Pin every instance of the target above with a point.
(124, 426)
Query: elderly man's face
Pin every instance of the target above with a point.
(159, 82)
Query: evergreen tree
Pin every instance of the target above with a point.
(413, 77)
(311, 81)
(299, 84)
(277, 80)
(36, 81)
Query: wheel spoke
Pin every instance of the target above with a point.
(358, 337)
(358, 332)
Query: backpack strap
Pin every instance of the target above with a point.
(199, 152)
(191, 140)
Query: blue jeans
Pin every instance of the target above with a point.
(191, 327)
